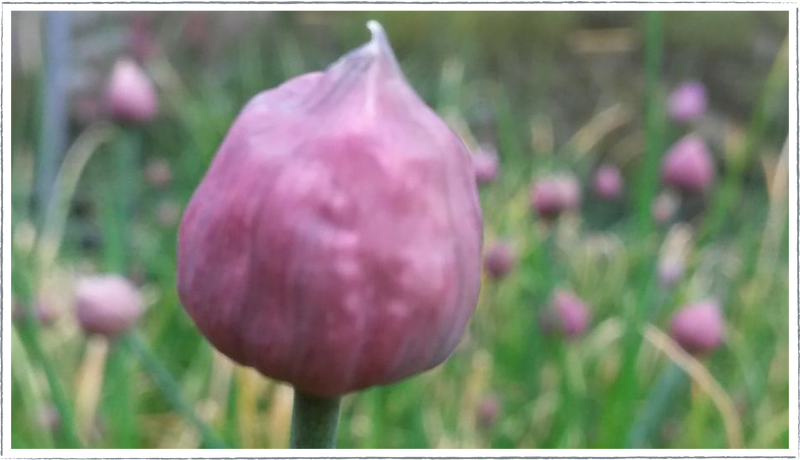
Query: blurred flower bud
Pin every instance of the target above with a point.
(139, 41)
(688, 165)
(698, 327)
(335, 242)
(130, 97)
(607, 183)
(42, 312)
(670, 270)
(566, 314)
(664, 207)
(672, 256)
(168, 212)
(158, 173)
(687, 102)
(499, 260)
(554, 195)
(48, 418)
(194, 29)
(486, 164)
(488, 410)
(108, 305)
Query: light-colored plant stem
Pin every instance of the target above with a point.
(314, 421)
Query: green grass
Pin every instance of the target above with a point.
(164, 386)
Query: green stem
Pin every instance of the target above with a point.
(170, 389)
(314, 421)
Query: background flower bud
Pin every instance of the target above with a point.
(698, 327)
(487, 412)
(607, 182)
(687, 102)
(107, 305)
(335, 241)
(566, 314)
(688, 165)
(129, 96)
(158, 173)
(665, 205)
(486, 164)
(499, 260)
(554, 195)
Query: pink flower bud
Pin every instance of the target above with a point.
(698, 327)
(107, 305)
(607, 183)
(499, 260)
(488, 410)
(566, 314)
(130, 97)
(335, 242)
(687, 102)
(664, 207)
(195, 29)
(688, 165)
(140, 42)
(48, 418)
(486, 164)
(554, 195)
(670, 271)
(158, 173)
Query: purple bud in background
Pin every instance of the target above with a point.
(551, 196)
(607, 182)
(140, 43)
(670, 271)
(487, 412)
(158, 173)
(664, 207)
(688, 165)
(486, 164)
(335, 241)
(699, 327)
(687, 102)
(48, 418)
(129, 96)
(499, 260)
(107, 305)
(566, 314)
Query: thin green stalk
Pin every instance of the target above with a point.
(29, 334)
(314, 421)
(171, 391)
(654, 122)
(659, 402)
(119, 402)
(619, 412)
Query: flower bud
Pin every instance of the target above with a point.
(486, 164)
(48, 418)
(664, 207)
(335, 241)
(488, 410)
(698, 327)
(670, 271)
(607, 183)
(554, 195)
(688, 166)
(687, 102)
(107, 305)
(158, 173)
(499, 260)
(130, 97)
(566, 314)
